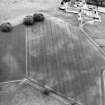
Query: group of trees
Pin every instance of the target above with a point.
(96, 2)
(93, 2)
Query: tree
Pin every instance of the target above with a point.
(96, 2)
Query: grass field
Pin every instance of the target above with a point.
(13, 54)
(14, 8)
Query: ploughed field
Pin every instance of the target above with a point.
(62, 57)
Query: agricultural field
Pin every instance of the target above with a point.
(59, 55)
